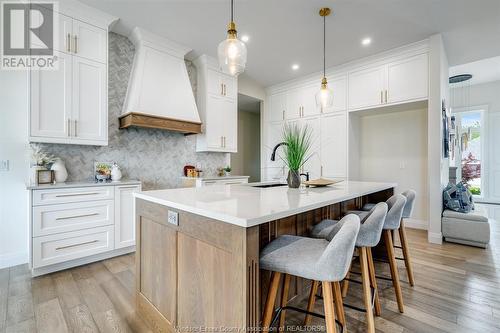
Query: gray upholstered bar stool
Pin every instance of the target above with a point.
(313, 259)
(407, 212)
(368, 237)
(396, 205)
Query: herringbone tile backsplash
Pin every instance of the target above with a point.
(153, 156)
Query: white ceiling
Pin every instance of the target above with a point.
(482, 71)
(283, 32)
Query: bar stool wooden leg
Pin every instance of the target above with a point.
(271, 298)
(284, 300)
(366, 290)
(339, 303)
(373, 281)
(345, 283)
(328, 303)
(394, 269)
(406, 253)
(312, 300)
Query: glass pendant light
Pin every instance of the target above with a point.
(232, 52)
(324, 97)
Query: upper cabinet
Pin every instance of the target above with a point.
(408, 79)
(70, 104)
(217, 95)
(276, 109)
(399, 81)
(367, 87)
(301, 102)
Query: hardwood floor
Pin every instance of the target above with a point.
(457, 289)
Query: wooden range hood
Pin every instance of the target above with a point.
(159, 93)
(151, 121)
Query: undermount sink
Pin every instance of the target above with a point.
(268, 185)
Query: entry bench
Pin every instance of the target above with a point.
(467, 228)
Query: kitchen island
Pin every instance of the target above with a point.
(198, 248)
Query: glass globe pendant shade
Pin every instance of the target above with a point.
(324, 97)
(232, 53)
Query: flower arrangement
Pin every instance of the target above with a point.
(40, 158)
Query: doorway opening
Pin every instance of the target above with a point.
(246, 161)
(470, 139)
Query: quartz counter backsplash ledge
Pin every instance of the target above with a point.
(154, 157)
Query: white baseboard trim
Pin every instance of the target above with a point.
(435, 237)
(416, 224)
(13, 259)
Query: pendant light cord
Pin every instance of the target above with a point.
(232, 11)
(324, 46)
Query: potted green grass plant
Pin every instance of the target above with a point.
(297, 146)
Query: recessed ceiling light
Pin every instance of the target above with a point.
(295, 67)
(245, 38)
(366, 41)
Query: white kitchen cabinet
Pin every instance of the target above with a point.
(400, 81)
(301, 102)
(313, 165)
(220, 84)
(69, 105)
(367, 87)
(217, 104)
(338, 84)
(210, 181)
(408, 79)
(80, 223)
(277, 105)
(89, 112)
(273, 137)
(50, 101)
(90, 42)
(334, 145)
(124, 215)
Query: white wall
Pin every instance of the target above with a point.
(13, 147)
(393, 148)
(438, 167)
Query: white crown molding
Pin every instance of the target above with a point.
(141, 37)
(359, 64)
(79, 10)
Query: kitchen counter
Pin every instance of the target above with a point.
(247, 206)
(83, 183)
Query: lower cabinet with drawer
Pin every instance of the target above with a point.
(71, 226)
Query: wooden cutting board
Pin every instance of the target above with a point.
(321, 182)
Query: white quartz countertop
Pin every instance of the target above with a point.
(215, 177)
(84, 183)
(247, 206)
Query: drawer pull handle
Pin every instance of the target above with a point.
(131, 186)
(75, 194)
(235, 183)
(75, 245)
(76, 216)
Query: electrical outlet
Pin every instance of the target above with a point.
(4, 165)
(173, 217)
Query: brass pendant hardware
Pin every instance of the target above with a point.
(325, 11)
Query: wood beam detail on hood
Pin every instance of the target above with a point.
(143, 120)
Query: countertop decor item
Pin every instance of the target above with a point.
(116, 173)
(59, 168)
(45, 177)
(102, 171)
(232, 52)
(321, 182)
(227, 171)
(187, 168)
(297, 146)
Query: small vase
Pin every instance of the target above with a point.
(293, 179)
(116, 173)
(59, 168)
